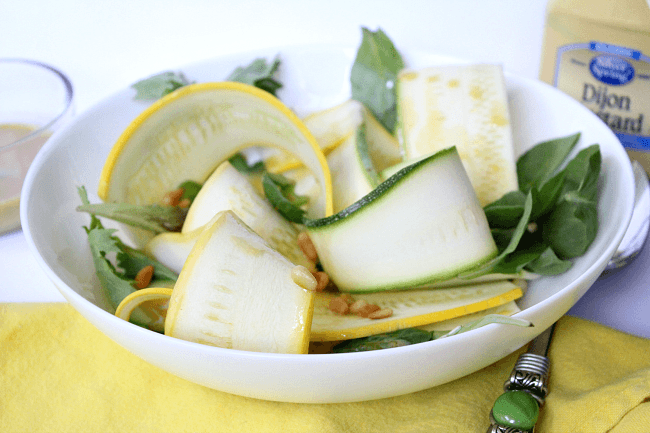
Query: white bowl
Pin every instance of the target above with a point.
(315, 77)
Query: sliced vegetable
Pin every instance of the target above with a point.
(329, 127)
(464, 106)
(422, 225)
(188, 133)
(352, 175)
(410, 309)
(228, 189)
(236, 292)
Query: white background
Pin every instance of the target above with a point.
(106, 46)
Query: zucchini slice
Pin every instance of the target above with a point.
(424, 224)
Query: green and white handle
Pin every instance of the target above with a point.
(517, 409)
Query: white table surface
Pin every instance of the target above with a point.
(106, 46)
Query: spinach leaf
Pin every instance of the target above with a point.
(507, 211)
(258, 73)
(403, 337)
(157, 86)
(572, 226)
(516, 236)
(280, 192)
(374, 75)
(538, 164)
(548, 263)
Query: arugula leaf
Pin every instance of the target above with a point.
(374, 76)
(403, 337)
(157, 86)
(280, 192)
(538, 164)
(117, 281)
(259, 74)
(155, 218)
(132, 261)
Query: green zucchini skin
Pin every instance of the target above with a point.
(422, 225)
(376, 194)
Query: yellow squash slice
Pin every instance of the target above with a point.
(236, 292)
(410, 309)
(464, 106)
(329, 127)
(188, 133)
(228, 189)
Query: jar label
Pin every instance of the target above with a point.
(614, 83)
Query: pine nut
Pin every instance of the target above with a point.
(339, 306)
(348, 298)
(307, 247)
(367, 310)
(305, 279)
(357, 305)
(143, 277)
(381, 314)
(173, 197)
(322, 279)
(185, 203)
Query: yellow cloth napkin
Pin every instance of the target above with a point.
(59, 374)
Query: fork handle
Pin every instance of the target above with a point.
(517, 409)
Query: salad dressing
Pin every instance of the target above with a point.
(14, 163)
(598, 52)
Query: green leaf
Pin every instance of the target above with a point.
(517, 234)
(157, 86)
(241, 165)
(546, 197)
(155, 218)
(572, 226)
(132, 261)
(118, 281)
(190, 190)
(403, 337)
(258, 73)
(540, 163)
(374, 76)
(548, 263)
(506, 211)
(280, 192)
